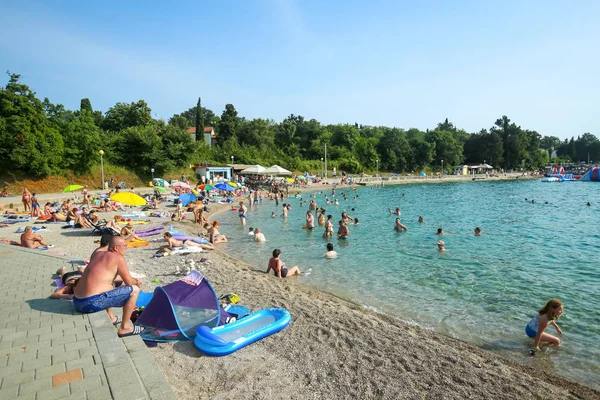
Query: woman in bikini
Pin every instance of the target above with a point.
(279, 268)
(26, 199)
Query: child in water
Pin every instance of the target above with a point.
(538, 324)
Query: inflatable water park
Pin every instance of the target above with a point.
(558, 174)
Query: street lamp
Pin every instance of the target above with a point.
(377, 173)
(321, 167)
(152, 170)
(101, 152)
(231, 168)
(442, 167)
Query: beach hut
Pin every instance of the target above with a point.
(277, 171)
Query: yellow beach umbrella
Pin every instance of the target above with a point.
(289, 180)
(128, 198)
(232, 184)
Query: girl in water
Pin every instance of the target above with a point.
(538, 324)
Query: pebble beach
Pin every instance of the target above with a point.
(332, 349)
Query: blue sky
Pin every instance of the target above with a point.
(394, 63)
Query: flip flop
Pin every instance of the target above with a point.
(117, 321)
(136, 331)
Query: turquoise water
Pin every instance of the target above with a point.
(483, 289)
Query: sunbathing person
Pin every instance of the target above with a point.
(128, 234)
(95, 291)
(81, 221)
(31, 240)
(93, 217)
(58, 217)
(172, 243)
(69, 281)
(213, 233)
(113, 223)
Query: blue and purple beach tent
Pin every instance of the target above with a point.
(176, 310)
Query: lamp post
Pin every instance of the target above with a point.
(442, 167)
(101, 152)
(321, 167)
(377, 170)
(152, 170)
(231, 168)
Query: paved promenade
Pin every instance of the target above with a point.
(49, 351)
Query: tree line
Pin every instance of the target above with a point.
(39, 138)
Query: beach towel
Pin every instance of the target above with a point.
(178, 251)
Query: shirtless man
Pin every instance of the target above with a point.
(310, 221)
(172, 243)
(104, 242)
(399, 226)
(343, 231)
(95, 291)
(441, 246)
(259, 236)
(31, 240)
(395, 212)
(279, 268)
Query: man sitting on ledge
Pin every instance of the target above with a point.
(95, 291)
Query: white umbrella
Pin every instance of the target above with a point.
(182, 185)
(254, 170)
(277, 170)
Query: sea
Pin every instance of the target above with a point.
(539, 241)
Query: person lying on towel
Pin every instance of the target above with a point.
(95, 291)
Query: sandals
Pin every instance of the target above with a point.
(136, 331)
(117, 321)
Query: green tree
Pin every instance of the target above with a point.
(122, 116)
(86, 104)
(394, 150)
(81, 141)
(422, 152)
(27, 142)
(199, 120)
(228, 124)
(446, 146)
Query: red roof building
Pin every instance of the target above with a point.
(209, 134)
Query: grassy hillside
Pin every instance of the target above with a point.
(51, 184)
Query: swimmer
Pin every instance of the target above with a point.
(250, 231)
(310, 221)
(441, 246)
(399, 226)
(588, 204)
(355, 221)
(330, 252)
(328, 227)
(440, 232)
(395, 212)
(259, 236)
(421, 219)
(273, 215)
(532, 201)
(477, 231)
(343, 231)
(538, 324)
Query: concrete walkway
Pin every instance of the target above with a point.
(50, 351)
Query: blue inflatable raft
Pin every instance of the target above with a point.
(226, 339)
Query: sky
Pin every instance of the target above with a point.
(394, 63)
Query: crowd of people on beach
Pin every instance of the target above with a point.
(106, 282)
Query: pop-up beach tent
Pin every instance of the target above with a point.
(179, 308)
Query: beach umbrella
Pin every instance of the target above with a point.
(253, 170)
(160, 189)
(289, 180)
(232, 184)
(206, 186)
(161, 182)
(301, 177)
(423, 173)
(276, 170)
(181, 185)
(187, 199)
(128, 198)
(72, 188)
(224, 186)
